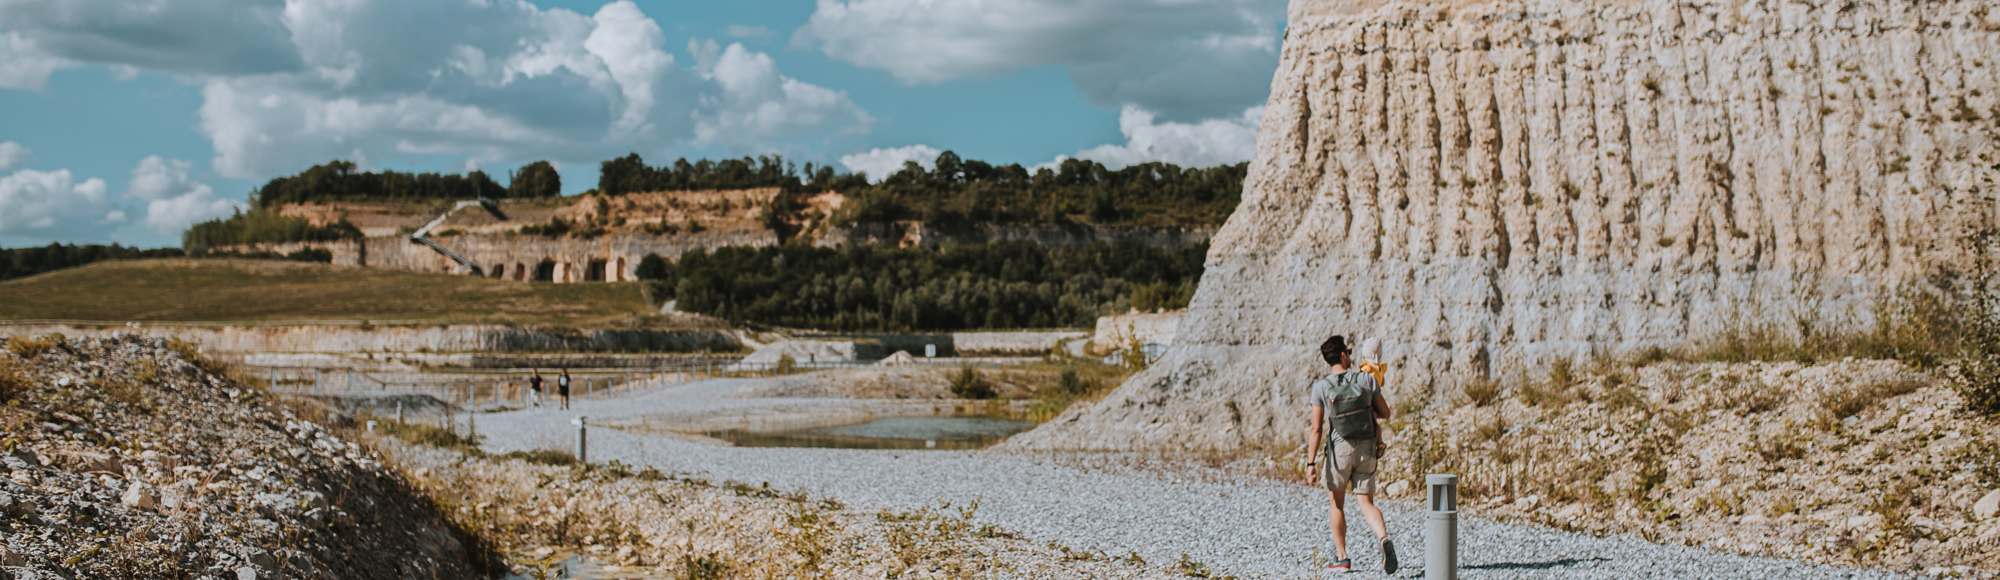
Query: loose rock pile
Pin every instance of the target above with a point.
(1857, 462)
(133, 457)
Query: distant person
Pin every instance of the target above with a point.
(535, 387)
(562, 388)
(1371, 363)
(1345, 406)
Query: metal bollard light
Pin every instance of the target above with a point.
(1441, 528)
(582, 439)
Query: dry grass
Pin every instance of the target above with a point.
(1851, 401)
(13, 383)
(261, 290)
(32, 347)
(1482, 391)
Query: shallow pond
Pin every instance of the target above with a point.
(887, 433)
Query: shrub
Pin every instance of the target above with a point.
(31, 347)
(321, 255)
(969, 383)
(545, 457)
(13, 384)
(1975, 367)
(431, 435)
(1482, 391)
(787, 365)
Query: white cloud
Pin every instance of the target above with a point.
(755, 102)
(53, 203)
(1185, 59)
(286, 84)
(741, 31)
(1202, 144)
(173, 200)
(14, 156)
(24, 66)
(879, 164)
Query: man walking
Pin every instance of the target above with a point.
(1345, 406)
(535, 386)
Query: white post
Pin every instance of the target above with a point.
(1441, 528)
(582, 439)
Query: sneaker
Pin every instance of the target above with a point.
(1340, 566)
(1388, 556)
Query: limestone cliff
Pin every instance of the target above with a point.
(1488, 186)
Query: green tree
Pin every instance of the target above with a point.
(538, 179)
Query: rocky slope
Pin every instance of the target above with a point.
(1490, 186)
(1857, 462)
(131, 457)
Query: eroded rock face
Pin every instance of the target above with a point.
(1490, 186)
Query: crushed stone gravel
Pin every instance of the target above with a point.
(1236, 525)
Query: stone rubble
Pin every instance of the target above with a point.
(135, 457)
(1746, 458)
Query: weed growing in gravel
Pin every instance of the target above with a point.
(1482, 391)
(1195, 569)
(1851, 401)
(31, 347)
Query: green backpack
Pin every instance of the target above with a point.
(1351, 413)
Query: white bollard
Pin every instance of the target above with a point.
(582, 439)
(1441, 528)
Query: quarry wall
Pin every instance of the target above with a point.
(1490, 186)
(609, 258)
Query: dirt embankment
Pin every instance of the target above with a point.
(134, 457)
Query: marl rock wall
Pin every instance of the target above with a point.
(1491, 185)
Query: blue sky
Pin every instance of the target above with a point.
(124, 121)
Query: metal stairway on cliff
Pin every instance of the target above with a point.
(421, 235)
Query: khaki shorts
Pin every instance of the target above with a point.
(1350, 468)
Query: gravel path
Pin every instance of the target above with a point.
(1237, 525)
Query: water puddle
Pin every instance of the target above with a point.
(579, 568)
(976, 432)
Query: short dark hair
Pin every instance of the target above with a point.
(1332, 349)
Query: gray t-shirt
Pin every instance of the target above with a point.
(1322, 389)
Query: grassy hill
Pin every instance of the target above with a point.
(218, 290)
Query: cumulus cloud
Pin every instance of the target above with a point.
(53, 203)
(173, 200)
(288, 84)
(180, 37)
(14, 156)
(879, 164)
(24, 66)
(1202, 144)
(1183, 59)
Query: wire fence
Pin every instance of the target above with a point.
(511, 387)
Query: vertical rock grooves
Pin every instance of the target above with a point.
(1489, 186)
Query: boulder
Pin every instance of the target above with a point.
(1988, 506)
(140, 496)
